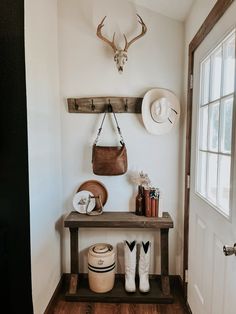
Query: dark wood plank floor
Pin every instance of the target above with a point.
(108, 308)
(60, 306)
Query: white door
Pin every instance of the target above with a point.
(212, 275)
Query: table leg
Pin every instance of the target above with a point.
(74, 261)
(165, 282)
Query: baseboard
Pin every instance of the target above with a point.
(183, 287)
(189, 309)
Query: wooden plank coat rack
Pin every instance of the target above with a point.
(100, 104)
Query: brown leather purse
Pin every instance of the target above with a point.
(109, 160)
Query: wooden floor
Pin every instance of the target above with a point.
(107, 308)
(60, 306)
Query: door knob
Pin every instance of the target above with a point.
(229, 250)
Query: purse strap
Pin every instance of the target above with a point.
(117, 125)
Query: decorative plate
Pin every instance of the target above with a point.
(96, 188)
(83, 203)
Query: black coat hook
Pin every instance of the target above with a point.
(92, 106)
(109, 107)
(126, 105)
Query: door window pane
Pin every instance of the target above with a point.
(216, 61)
(212, 177)
(202, 166)
(203, 130)
(213, 127)
(224, 183)
(229, 60)
(205, 81)
(226, 125)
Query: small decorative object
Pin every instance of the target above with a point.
(154, 196)
(145, 180)
(98, 201)
(147, 198)
(120, 56)
(147, 202)
(98, 194)
(139, 210)
(101, 267)
(83, 202)
(160, 110)
(151, 200)
(140, 178)
(109, 160)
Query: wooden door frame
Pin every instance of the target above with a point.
(216, 13)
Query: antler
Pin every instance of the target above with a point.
(99, 34)
(144, 30)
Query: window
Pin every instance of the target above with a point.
(214, 152)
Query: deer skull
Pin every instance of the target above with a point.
(120, 59)
(120, 56)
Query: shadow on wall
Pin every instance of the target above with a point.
(91, 12)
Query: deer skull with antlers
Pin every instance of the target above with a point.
(120, 56)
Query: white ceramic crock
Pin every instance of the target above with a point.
(101, 267)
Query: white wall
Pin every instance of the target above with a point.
(44, 136)
(87, 69)
(196, 16)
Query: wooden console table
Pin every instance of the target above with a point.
(78, 289)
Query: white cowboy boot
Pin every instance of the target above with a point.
(144, 263)
(130, 265)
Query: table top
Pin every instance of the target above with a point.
(118, 220)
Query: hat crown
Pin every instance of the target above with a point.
(161, 110)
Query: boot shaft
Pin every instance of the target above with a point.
(130, 252)
(144, 258)
(144, 264)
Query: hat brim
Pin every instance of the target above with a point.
(151, 125)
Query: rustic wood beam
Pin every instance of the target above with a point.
(100, 104)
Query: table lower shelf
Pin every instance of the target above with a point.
(118, 293)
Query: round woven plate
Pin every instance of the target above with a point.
(96, 188)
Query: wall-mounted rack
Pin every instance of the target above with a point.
(100, 104)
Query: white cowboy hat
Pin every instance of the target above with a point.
(160, 110)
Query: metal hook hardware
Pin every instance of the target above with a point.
(229, 250)
(126, 105)
(109, 106)
(76, 107)
(92, 106)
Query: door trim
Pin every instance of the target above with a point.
(216, 13)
